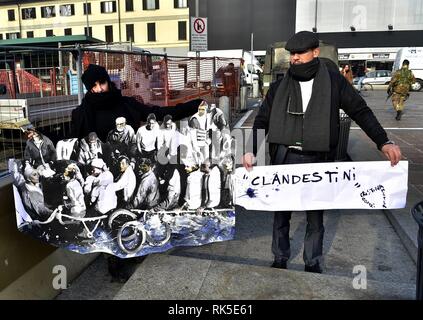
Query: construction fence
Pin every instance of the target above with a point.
(41, 86)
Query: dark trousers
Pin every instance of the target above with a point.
(313, 240)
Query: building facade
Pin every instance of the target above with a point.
(159, 25)
(367, 33)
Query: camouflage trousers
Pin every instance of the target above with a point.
(398, 101)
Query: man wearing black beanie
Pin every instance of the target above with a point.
(103, 103)
(300, 114)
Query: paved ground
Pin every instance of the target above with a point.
(371, 238)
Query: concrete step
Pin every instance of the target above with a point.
(164, 277)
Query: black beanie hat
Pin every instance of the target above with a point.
(302, 41)
(94, 73)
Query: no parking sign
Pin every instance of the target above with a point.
(198, 34)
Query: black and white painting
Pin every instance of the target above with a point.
(141, 191)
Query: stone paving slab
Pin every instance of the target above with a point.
(215, 280)
(352, 237)
(362, 149)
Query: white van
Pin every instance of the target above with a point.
(250, 67)
(415, 56)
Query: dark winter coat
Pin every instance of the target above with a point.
(343, 96)
(35, 156)
(98, 112)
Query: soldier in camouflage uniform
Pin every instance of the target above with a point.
(400, 86)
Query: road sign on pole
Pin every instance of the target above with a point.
(198, 34)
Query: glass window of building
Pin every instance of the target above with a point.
(1, 36)
(88, 32)
(49, 33)
(182, 30)
(87, 8)
(129, 5)
(11, 15)
(28, 13)
(13, 35)
(108, 6)
(67, 10)
(68, 31)
(180, 4)
(48, 12)
(30, 34)
(109, 33)
(150, 4)
(130, 32)
(151, 31)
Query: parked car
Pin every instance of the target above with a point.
(376, 77)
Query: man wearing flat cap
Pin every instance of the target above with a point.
(300, 115)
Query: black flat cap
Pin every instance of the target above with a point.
(302, 41)
(92, 74)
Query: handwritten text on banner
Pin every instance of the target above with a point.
(315, 186)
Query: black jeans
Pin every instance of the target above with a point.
(313, 240)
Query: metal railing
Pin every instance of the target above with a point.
(43, 86)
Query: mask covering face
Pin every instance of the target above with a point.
(304, 71)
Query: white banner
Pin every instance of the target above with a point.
(316, 186)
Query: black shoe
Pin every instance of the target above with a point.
(398, 117)
(118, 269)
(279, 264)
(314, 268)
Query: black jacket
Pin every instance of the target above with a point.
(35, 156)
(343, 96)
(87, 118)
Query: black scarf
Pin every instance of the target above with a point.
(288, 124)
(98, 113)
(305, 71)
(103, 100)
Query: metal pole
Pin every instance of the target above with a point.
(119, 22)
(60, 68)
(88, 25)
(315, 16)
(20, 20)
(79, 72)
(166, 82)
(197, 53)
(252, 64)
